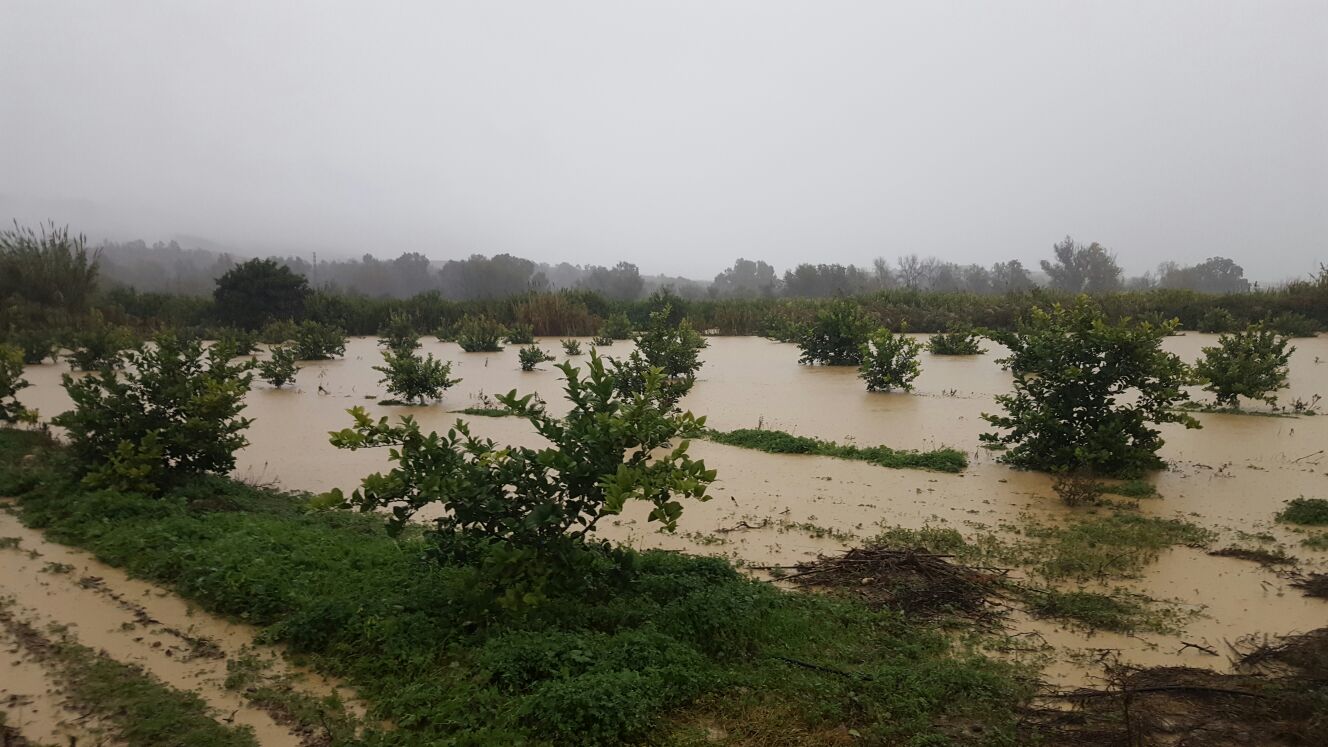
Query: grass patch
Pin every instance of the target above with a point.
(1305, 511)
(655, 641)
(1087, 609)
(1261, 555)
(779, 442)
(1316, 541)
(1131, 489)
(143, 711)
(1116, 546)
(485, 412)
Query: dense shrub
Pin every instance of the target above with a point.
(571, 347)
(531, 356)
(172, 413)
(672, 348)
(35, 343)
(890, 361)
(1292, 324)
(399, 334)
(601, 341)
(1086, 393)
(1249, 364)
(837, 336)
(616, 327)
(277, 332)
(961, 342)
(236, 342)
(479, 334)
(259, 291)
(279, 369)
(1217, 320)
(11, 381)
(97, 343)
(1305, 511)
(520, 334)
(315, 341)
(49, 268)
(525, 512)
(413, 378)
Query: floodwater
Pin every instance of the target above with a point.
(1232, 475)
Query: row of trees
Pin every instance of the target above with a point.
(1073, 268)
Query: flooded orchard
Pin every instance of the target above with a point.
(1230, 477)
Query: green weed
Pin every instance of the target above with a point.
(779, 442)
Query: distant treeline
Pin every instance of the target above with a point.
(1073, 267)
(50, 281)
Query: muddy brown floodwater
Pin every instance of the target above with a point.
(1233, 475)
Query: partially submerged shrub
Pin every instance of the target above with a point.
(889, 361)
(616, 327)
(11, 381)
(961, 342)
(520, 334)
(1306, 511)
(571, 347)
(399, 334)
(236, 342)
(277, 332)
(672, 349)
(601, 341)
(36, 343)
(1218, 320)
(173, 413)
(1087, 392)
(98, 343)
(479, 334)
(279, 369)
(531, 356)
(1077, 489)
(315, 341)
(1292, 324)
(836, 337)
(525, 512)
(1250, 364)
(415, 379)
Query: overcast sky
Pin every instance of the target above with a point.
(677, 135)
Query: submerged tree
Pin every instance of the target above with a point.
(279, 369)
(1249, 364)
(837, 336)
(890, 361)
(673, 349)
(414, 379)
(11, 381)
(1087, 392)
(531, 356)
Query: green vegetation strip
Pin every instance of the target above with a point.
(143, 711)
(1311, 512)
(662, 648)
(779, 442)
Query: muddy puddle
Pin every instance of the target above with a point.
(63, 591)
(1232, 476)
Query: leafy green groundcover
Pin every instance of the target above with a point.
(780, 442)
(678, 646)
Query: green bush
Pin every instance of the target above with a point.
(97, 343)
(11, 381)
(1067, 413)
(278, 332)
(37, 343)
(479, 334)
(674, 349)
(1292, 324)
(1218, 320)
(616, 327)
(1306, 511)
(316, 342)
(279, 369)
(601, 341)
(571, 347)
(962, 342)
(399, 334)
(415, 379)
(837, 336)
(173, 413)
(236, 342)
(780, 442)
(1249, 364)
(531, 356)
(520, 334)
(889, 361)
(526, 512)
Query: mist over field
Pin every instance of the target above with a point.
(676, 137)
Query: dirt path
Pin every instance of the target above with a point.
(132, 622)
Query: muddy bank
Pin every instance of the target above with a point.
(52, 587)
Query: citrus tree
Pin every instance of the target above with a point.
(1087, 392)
(890, 361)
(414, 379)
(1249, 364)
(11, 381)
(836, 337)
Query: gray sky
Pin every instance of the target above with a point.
(678, 135)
